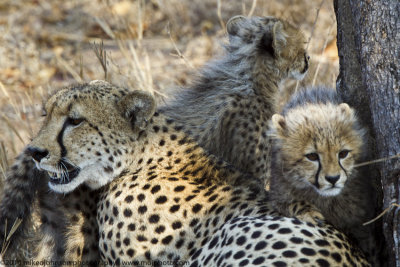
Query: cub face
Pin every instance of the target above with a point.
(272, 42)
(319, 145)
(88, 134)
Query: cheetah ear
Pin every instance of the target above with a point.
(138, 107)
(279, 37)
(346, 109)
(279, 123)
(233, 24)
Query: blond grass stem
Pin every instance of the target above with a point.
(81, 67)
(219, 14)
(322, 52)
(31, 105)
(140, 21)
(101, 55)
(179, 54)
(253, 8)
(7, 237)
(10, 99)
(311, 35)
(104, 26)
(3, 163)
(382, 213)
(11, 126)
(69, 68)
(314, 24)
(4, 245)
(376, 161)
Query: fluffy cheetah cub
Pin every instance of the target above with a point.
(229, 106)
(316, 143)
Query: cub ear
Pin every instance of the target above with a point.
(233, 24)
(279, 123)
(279, 38)
(138, 107)
(346, 109)
(274, 41)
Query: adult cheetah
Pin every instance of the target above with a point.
(161, 197)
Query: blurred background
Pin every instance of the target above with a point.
(151, 45)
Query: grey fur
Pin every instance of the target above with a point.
(346, 211)
(229, 105)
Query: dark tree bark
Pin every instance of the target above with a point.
(369, 80)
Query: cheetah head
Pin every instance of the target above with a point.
(88, 134)
(271, 42)
(318, 146)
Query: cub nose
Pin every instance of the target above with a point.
(37, 153)
(332, 179)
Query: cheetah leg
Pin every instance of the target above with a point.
(82, 237)
(17, 202)
(69, 231)
(50, 236)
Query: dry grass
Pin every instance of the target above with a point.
(149, 45)
(6, 243)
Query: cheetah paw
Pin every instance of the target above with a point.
(312, 216)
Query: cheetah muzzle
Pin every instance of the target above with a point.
(63, 173)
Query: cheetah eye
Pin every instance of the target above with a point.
(306, 58)
(44, 113)
(75, 121)
(312, 156)
(343, 154)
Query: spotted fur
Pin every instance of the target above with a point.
(159, 195)
(275, 241)
(229, 106)
(317, 142)
(61, 217)
(17, 199)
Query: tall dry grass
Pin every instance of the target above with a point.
(150, 45)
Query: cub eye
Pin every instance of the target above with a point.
(343, 154)
(312, 156)
(306, 57)
(75, 121)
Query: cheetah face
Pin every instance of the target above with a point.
(319, 145)
(327, 168)
(272, 42)
(89, 134)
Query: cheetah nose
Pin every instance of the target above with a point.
(37, 153)
(332, 179)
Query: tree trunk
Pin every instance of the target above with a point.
(369, 80)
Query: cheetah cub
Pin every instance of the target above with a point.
(229, 105)
(316, 143)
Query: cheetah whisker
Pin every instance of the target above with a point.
(64, 172)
